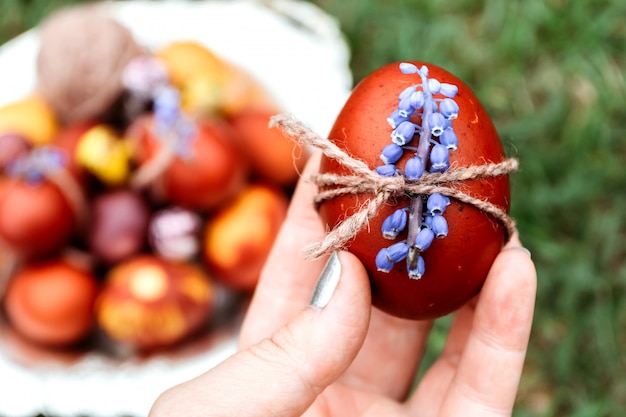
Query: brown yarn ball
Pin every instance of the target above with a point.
(82, 54)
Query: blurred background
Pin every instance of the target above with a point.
(551, 74)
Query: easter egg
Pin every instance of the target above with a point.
(424, 260)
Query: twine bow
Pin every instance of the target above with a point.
(366, 181)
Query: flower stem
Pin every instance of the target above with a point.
(415, 206)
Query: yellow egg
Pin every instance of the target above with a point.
(30, 117)
(105, 155)
(186, 60)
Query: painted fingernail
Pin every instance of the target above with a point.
(521, 248)
(327, 282)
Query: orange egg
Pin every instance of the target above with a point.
(240, 236)
(35, 219)
(272, 156)
(51, 303)
(148, 302)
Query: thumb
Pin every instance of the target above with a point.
(282, 375)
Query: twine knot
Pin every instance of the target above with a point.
(363, 180)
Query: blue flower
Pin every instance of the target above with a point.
(437, 123)
(403, 134)
(166, 107)
(394, 224)
(424, 238)
(437, 203)
(439, 158)
(408, 68)
(449, 139)
(395, 119)
(449, 108)
(391, 153)
(383, 263)
(404, 107)
(414, 168)
(397, 252)
(439, 226)
(417, 99)
(417, 271)
(406, 93)
(434, 85)
(388, 170)
(36, 165)
(448, 90)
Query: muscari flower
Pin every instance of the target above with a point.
(449, 109)
(434, 85)
(437, 123)
(397, 252)
(395, 119)
(166, 107)
(391, 153)
(383, 263)
(403, 134)
(439, 226)
(449, 139)
(437, 203)
(388, 170)
(424, 238)
(448, 90)
(417, 271)
(35, 166)
(386, 257)
(405, 109)
(407, 92)
(414, 168)
(394, 224)
(408, 68)
(439, 158)
(417, 99)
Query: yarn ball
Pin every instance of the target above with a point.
(82, 55)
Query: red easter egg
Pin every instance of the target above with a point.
(35, 219)
(52, 302)
(211, 173)
(457, 265)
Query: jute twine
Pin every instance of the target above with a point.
(363, 180)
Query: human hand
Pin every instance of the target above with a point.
(334, 355)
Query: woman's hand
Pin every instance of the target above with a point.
(312, 344)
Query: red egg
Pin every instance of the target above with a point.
(35, 219)
(51, 303)
(212, 172)
(455, 266)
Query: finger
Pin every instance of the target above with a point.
(283, 375)
(286, 284)
(490, 366)
(433, 386)
(390, 356)
(435, 383)
(287, 280)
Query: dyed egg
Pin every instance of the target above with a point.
(150, 303)
(203, 169)
(35, 218)
(174, 233)
(382, 124)
(119, 224)
(51, 303)
(239, 237)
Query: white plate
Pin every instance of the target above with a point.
(299, 54)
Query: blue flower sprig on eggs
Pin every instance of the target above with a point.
(425, 115)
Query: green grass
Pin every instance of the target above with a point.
(551, 74)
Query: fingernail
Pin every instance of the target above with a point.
(327, 282)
